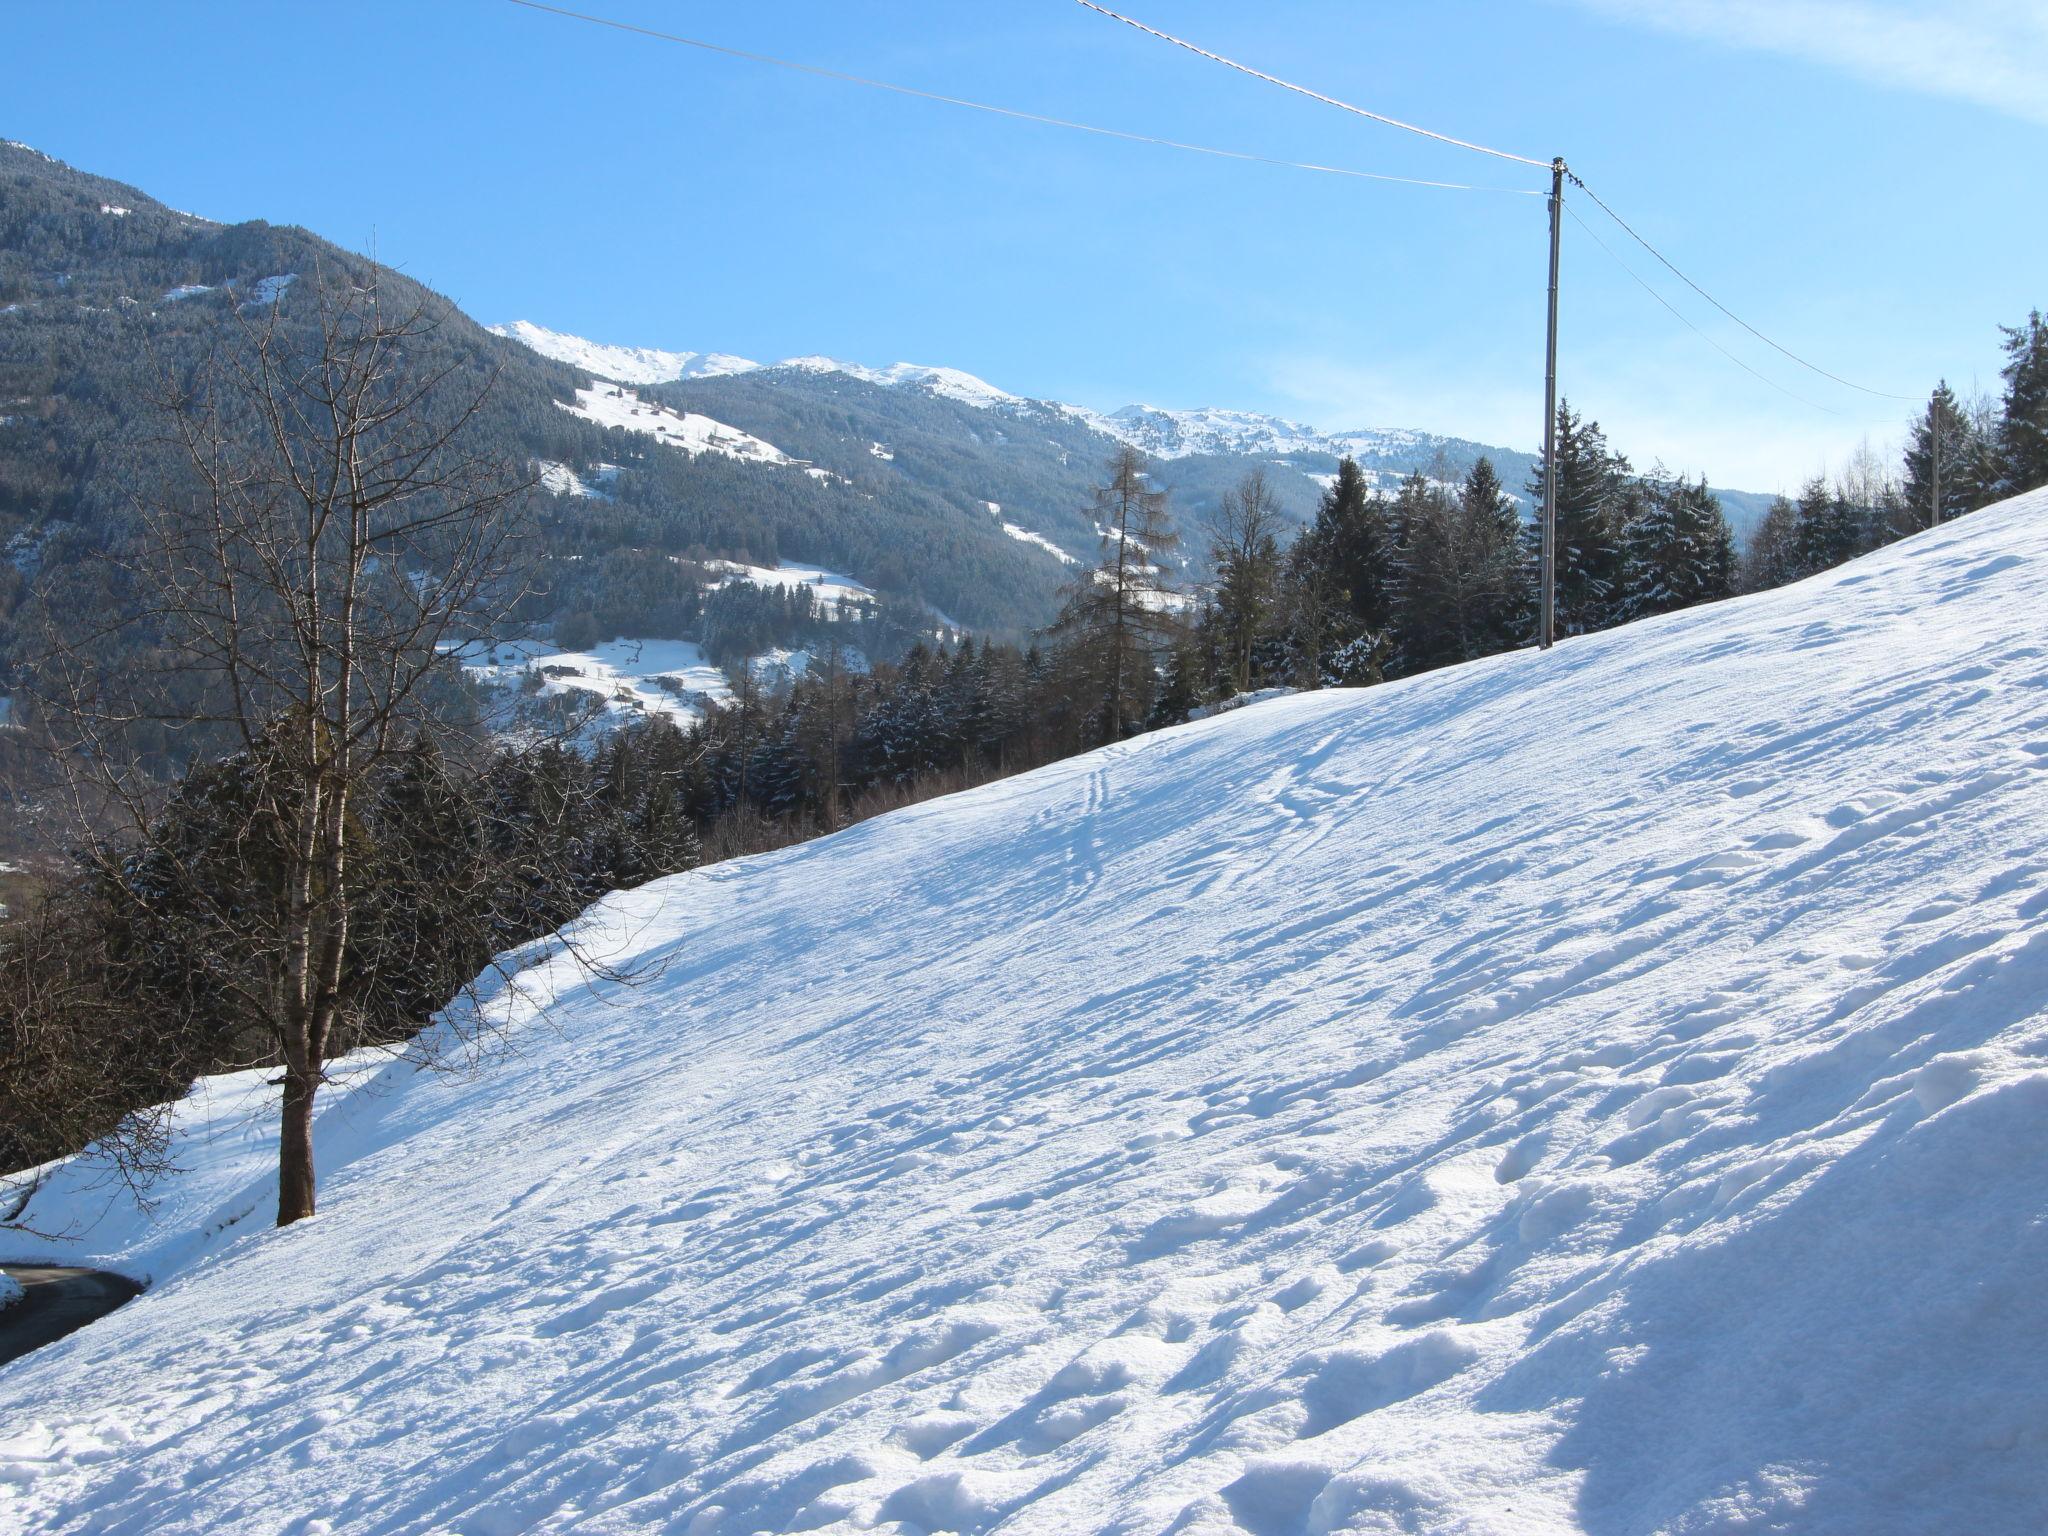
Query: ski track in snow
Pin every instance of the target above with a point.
(1604, 1092)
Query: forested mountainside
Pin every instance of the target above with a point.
(104, 292)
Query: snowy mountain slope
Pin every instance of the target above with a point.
(1197, 453)
(686, 430)
(1604, 1091)
(1163, 433)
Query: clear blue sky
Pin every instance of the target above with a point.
(1863, 179)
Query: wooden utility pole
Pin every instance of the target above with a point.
(1547, 628)
(1934, 448)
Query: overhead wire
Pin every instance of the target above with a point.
(1302, 90)
(1010, 112)
(1685, 320)
(1882, 394)
(1576, 180)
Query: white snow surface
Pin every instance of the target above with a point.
(622, 365)
(831, 588)
(694, 434)
(1026, 536)
(559, 479)
(634, 678)
(1601, 1091)
(10, 1288)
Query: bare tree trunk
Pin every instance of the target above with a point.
(295, 1140)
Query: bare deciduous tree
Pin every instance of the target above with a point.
(334, 544)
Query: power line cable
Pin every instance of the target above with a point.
(1010, 112)
(1882, 394)
(1302, 90)
(1687, 322)
(1576, 180)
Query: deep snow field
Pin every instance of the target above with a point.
(1603, 1091)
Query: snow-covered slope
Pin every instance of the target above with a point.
(687, 430)
(1603, 1091)
(622, 365)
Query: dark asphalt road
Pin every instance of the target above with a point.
(58, 1301)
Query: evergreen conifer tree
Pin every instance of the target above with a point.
(1590, 478)
(2022, 443)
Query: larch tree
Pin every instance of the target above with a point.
(1117, 617)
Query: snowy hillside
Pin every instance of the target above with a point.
(1603, 1091)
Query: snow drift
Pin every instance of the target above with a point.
(1604, 1091)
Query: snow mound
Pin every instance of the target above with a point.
(1603, 1091)
(10, 1288)
(622, 365)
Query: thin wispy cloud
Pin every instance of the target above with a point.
(1991, 52)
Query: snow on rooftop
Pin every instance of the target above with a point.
(611, 406)
(1598, 1091)
(624, 365)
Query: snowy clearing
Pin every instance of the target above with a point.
(634, 678)
(561, 480)
(1598, 1092)
(1026, 536)
(830, 587)
(615, 407)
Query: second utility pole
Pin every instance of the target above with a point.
(1547, 624)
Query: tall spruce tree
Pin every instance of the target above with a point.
(2023, 428)
(1960, 459)
(1590, 479)
(1677, 547)
(1826, 530)
(1352, 539)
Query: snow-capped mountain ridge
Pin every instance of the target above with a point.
(1162, 432)
(622, 365)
